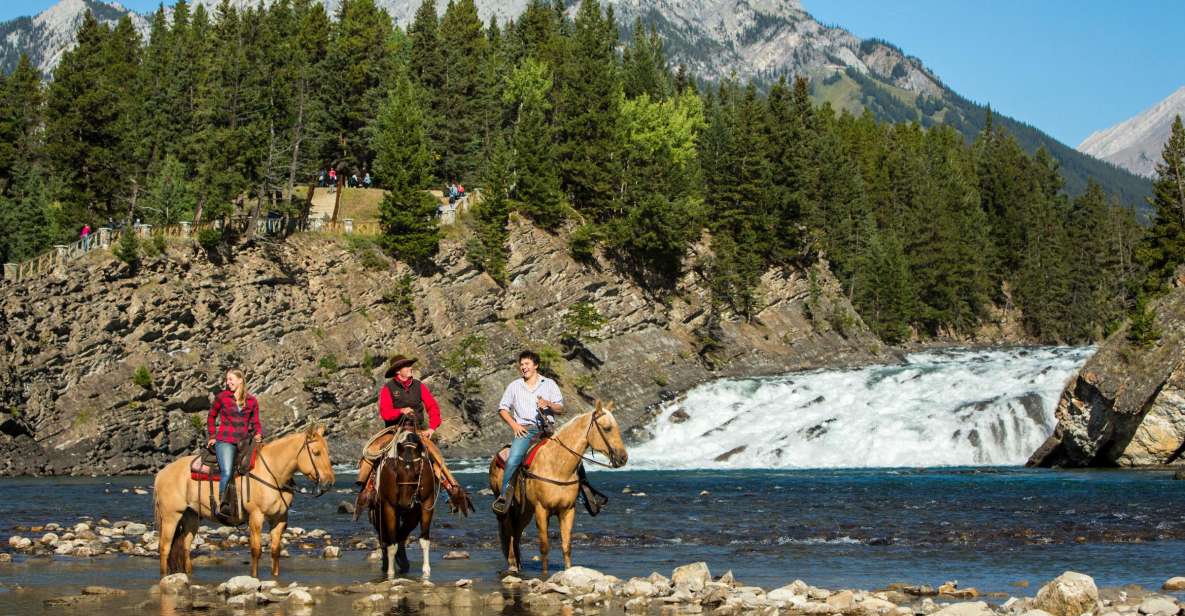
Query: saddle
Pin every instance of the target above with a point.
(502, 456)
(204, 466)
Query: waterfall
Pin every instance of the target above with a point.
(956, 407)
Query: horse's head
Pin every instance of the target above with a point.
(604, 436)
(313, 459)
(408, 464)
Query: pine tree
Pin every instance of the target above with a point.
(27, 227)
(21, 99)
(357, 62)
(168, 197)
(536, 180)
(426, 67)
(82, 127)
(464, 51)
(644, 64)
(1163, 249)
(1041, 283)
(587, 115)
(403, 167)
(793, 143)
(883, 290)
(488, 248)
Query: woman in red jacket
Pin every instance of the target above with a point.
(233, 419)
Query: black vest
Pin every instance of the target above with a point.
(407, 398)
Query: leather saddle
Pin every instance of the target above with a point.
(204, 466)
(504, 454)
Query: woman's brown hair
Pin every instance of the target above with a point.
(241, 391)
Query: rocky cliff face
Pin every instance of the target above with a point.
(311, 320)
(1126, 407)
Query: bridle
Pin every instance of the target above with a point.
(597, 414)
(422, 459)
(291, 485)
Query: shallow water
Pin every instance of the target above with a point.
(985, 527)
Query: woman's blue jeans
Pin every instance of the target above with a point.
(518, 450)
(226, 458)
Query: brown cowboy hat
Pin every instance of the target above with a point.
(397, 362)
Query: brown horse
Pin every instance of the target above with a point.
(551, 485)
(405, 497)
(180, 502)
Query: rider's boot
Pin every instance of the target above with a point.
(502, 503)
(364, 487)
(593, 500)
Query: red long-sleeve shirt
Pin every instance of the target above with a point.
(388, 411)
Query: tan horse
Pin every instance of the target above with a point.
(551, 485)
(181, 502)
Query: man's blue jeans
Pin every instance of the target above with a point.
(518, 450)
(226, 457)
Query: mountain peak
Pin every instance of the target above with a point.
(1135, 144)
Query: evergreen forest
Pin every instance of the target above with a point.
(230, 112)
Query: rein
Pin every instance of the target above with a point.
(291, 485)
(587, 431)
(556, 439)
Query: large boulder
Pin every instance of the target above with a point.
(174, 584)
(578, 578)
(1069, 594)
(241, 584)
(693, 577)
(1174, 584)
(970, 608)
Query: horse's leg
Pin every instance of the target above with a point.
(277, 539)
(168, 528)
(567, 519)
(518, 525)
(426, 539)
(189, 526)
(504, 536)
(541, 515)
(401, 557)
(255, 526)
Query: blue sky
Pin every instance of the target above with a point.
(1069, 67)
(1066, 67)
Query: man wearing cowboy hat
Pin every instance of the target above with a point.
(402, 400)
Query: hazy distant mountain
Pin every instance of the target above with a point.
(751, 39)
(1136, 144)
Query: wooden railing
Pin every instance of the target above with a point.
(105, 237)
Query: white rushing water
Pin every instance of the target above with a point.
(941, 408)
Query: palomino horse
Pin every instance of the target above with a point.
(180, 502)
(551, 485)
(405, 497)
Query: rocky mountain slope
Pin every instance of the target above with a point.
(1126, 407)
(1135, 144)
(311, 319)
(751, 39)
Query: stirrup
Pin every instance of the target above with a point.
(500, 505)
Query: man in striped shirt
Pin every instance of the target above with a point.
(525, 407)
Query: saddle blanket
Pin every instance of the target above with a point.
(503, 455)
(204, 467)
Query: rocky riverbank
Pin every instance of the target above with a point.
(690, 589)
(106, 372)
(1126, 407)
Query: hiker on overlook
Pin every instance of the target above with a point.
(233, 422)
(366, 181)
(322, 179)
(86, 237)
(332, 176)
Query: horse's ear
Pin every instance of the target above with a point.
(608, 406)
(598, 406)
(315, 429)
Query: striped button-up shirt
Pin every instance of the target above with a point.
(520, 400)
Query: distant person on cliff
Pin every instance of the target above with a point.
(528, 406)
(233, 421)
(86, 237)
(405, 403)
(366, 181)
